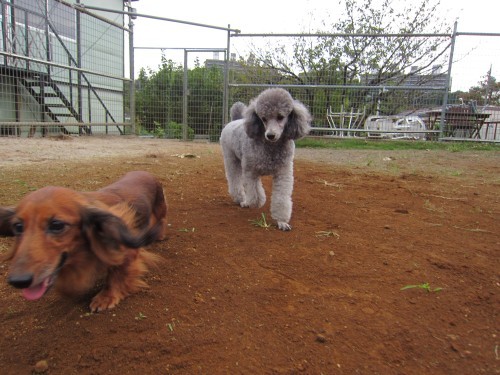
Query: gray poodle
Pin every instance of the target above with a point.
(259, 141)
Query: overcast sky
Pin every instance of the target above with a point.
(474, 55)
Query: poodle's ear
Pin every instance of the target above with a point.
(299, 121)
(254, 127)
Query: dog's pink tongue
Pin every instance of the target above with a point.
(37, 291)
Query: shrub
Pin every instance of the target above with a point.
(173, 130)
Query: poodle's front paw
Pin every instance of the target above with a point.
(238, 199)
(252, 204)
(284, 226)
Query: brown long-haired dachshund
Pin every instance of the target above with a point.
(75, 240)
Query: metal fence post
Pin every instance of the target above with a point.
(132, 74)
(225, 97)
(448, 79)
(185, 98)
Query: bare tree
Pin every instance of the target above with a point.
(486, 92)
(362, 47)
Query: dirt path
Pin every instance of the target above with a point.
(234, 298)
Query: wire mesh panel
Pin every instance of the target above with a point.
(175, 98)
(158, 93)
(475, 92)
(345, 91)
(61, 69)
(373, 90)
(205, 99)
(369, 85)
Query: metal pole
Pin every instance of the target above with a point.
(79, 65)
(81, 8)
(343, 35)
(185, 98)
(448, 80)
(5, 30)
(135, 14)
(225, 94)
(63, 66)
(132, 74)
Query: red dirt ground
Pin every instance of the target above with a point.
(234, 298)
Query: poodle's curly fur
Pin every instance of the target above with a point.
(259, 141)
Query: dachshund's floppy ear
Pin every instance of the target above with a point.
(254, 127)
(107, 234)
(299, 121)
(6, 214)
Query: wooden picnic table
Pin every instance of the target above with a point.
(459, 122)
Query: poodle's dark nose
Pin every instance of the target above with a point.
(21, 281)
(270, 137)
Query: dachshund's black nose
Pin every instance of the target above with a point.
(21, 281)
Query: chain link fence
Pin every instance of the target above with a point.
(413, 100)
(68, 68)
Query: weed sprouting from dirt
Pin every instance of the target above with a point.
(425, 286)
(140, 316)
(329, 233)
(261, 222)
(25, 185)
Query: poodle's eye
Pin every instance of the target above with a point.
(280, 117)
(263, 119)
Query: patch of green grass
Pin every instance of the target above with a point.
(365, 144)
(425, 286)
(456, 173)
(25, 185)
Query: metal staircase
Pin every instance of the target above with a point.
(50, 97)
(48, 94)
(47, 68)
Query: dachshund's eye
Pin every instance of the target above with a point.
(18, 228)
(56, 226)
